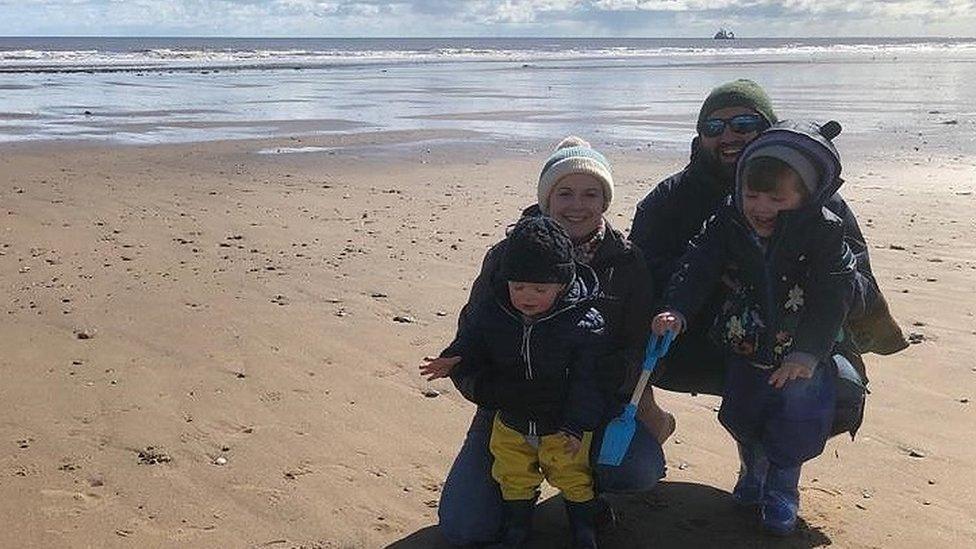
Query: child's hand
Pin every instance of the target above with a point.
(667, 321)
(573, 445)
(788, 372)
(436, 368)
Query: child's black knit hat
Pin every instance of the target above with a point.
(538, 250)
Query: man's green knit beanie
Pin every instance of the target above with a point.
(738, 93)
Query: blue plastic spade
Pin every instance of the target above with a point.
(620, 431)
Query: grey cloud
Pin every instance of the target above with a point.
(483, 17)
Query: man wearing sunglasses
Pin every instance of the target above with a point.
(673, 212)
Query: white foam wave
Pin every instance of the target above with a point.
(31, 60)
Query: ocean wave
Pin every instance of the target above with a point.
(174, 58)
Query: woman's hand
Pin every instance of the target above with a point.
(436, 368)
(788, 372)
(668, 320)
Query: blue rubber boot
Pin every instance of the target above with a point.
(753, 467)
(781, 501)
(582, 522)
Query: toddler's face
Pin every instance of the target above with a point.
(533, 298)
(762, 207)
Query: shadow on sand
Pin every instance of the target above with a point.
(673, 515)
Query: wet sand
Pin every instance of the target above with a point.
(204, 346)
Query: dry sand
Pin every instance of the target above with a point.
(199, 348)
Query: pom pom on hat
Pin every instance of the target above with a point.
(573, 141)
(574, 155)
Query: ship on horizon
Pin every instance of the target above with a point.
(724, 34)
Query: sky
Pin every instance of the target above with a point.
(449, 18)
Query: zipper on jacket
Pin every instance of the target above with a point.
(527, 337)
(526, 349)
(770, 322)
(769, 256)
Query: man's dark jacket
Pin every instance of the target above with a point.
(676, 210)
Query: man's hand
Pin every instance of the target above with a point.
(573, 445)
(665, 321)
(436, 368)
(788, 372)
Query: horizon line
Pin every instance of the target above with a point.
(457, 37)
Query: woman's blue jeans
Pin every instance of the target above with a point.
(470, 509)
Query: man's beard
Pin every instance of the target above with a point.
(722, 171)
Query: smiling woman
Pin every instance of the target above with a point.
(575, 188)
(578, 203)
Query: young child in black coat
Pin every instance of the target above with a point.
(530, 353)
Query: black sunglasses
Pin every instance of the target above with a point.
(740, 123)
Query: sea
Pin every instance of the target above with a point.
(629, 90)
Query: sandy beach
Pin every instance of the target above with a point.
(203, 346)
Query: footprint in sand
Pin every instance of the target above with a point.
(67, 502)
(68, 466)
(303, 468)
(20, 470)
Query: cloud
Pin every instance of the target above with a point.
(665, 5)
(486, 17)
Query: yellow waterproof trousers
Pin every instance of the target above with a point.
(519, 467)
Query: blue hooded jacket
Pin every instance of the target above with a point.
(788, 296)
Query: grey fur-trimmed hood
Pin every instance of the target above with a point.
(814, 141)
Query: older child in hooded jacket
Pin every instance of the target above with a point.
(790, 276)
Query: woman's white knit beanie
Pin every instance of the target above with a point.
(574, 155)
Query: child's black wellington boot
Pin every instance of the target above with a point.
(604, 515)
(582, 522)
(517, 523)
